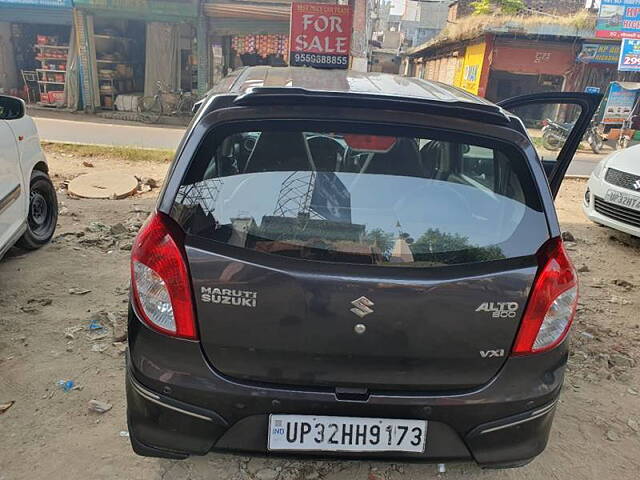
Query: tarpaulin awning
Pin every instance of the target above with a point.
(629, 85)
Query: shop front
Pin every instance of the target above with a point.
(469, 71)
(246, 34)
(519, 67)
(36, 50)
(133, 48)
(441, 65)
(597, 63)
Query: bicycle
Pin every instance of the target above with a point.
(151, 108)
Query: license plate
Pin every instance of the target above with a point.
(622, 199)
(348, 434)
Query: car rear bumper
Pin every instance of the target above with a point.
(177, 405)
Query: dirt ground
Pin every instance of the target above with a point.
(45, 315)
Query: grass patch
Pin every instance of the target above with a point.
(132, 154)
(473, 26)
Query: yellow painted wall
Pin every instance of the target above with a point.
(457, 79)
(468, 76)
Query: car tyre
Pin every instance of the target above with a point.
(551, 142)
(43, 212)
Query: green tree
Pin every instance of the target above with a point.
(481, 7)
(451, 248)
(381, 239)
(511, 7)
(506, 7)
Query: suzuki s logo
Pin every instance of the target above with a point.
(492, 353)
(499, 309)
(636, 185)
(362, 307)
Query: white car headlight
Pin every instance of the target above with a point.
(601, 167)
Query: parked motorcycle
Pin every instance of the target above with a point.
(554, 134)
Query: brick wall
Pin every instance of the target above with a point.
(555, 6)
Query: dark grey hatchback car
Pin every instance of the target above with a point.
(354, 265)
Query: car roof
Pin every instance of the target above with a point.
(241, 81)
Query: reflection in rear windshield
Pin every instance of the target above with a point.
(411, 201)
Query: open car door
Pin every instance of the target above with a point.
(556, 122)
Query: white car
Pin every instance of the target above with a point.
(28, 203)
(612, 197)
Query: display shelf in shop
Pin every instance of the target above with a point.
(116, 64)
(51, 81)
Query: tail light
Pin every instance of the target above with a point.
(160, 278)
(552, 303)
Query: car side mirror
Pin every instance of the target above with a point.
(11, 108)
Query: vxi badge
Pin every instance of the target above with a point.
(499, 309)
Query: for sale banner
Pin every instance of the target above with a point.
(629, 56)
(618, 19)
(320, 35)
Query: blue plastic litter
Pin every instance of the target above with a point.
(95, 325)
(66, 385)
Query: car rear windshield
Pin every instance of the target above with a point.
(361, 198)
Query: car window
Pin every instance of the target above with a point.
(479, 165)
(548, 125)
(358, 198)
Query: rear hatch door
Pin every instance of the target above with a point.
(359, 260)
(295, 326)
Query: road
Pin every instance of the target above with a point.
(108, 133)
(133, 135)
(584, 163)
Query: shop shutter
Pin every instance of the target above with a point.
(241, 26)
(248, 11)
(452, 62)
(431, 70)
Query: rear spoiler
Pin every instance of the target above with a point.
(486, 113)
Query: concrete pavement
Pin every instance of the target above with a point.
(130, 134)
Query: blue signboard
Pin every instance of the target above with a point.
(330, 198)
(629, 56)
(618, 19)
(599, 53)
(592, 90)
(38, 3)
